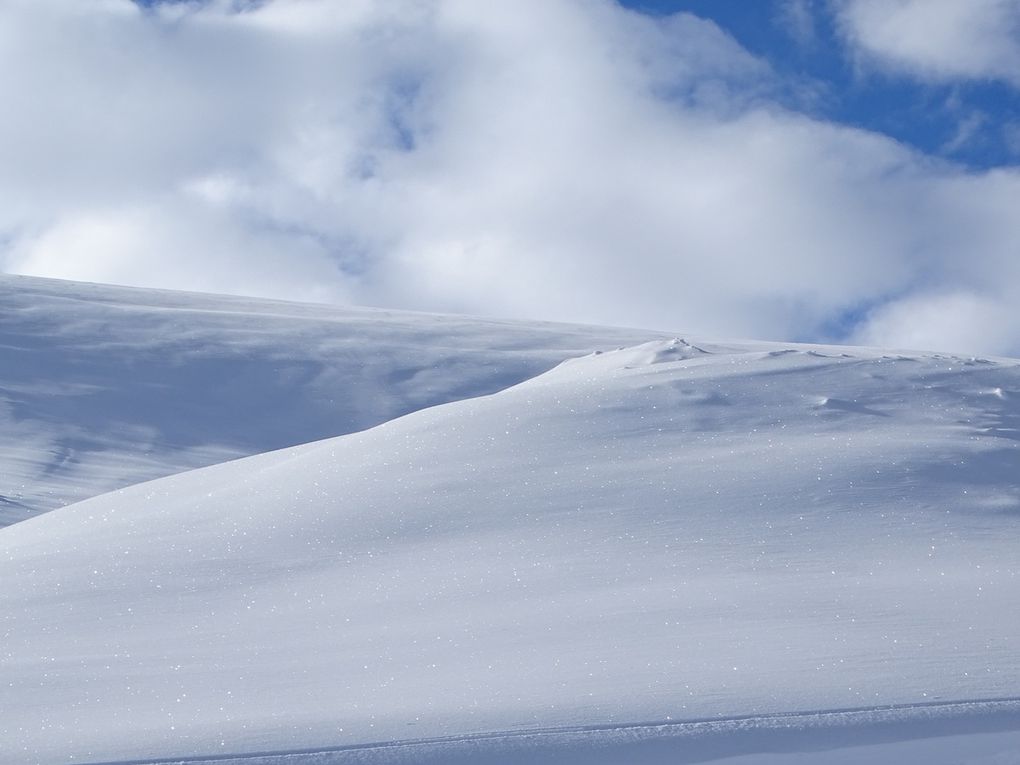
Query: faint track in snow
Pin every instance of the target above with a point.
(672, 741)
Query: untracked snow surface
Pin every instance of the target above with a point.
(102, 387)
(675, 552)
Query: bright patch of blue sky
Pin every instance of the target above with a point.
(972, 122)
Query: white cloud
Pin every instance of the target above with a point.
(1011, 137)
(968, 129)
(168, 246)
(797, 18)
(558, 159)
(941, 40)
(960, 322)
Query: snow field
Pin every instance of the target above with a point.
(670, 531)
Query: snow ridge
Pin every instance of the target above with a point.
(102, 387)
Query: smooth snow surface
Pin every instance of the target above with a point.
(102, 387)
(675, 531)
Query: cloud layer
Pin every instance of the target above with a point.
(554, 159)
(943, 40)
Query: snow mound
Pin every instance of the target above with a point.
(727, 534)
(677, 349)
(102, 387)
(652, 352)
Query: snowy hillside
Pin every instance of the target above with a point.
(570, 570)
(102, 387)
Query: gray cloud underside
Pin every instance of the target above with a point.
(556, 159)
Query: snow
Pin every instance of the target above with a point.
(976, 734)
(102, 387)
(676, 531)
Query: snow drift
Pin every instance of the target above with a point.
(102, 387)
(673, 531)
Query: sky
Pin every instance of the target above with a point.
(811, 170)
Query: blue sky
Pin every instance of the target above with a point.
(830, 170)
(961, 120)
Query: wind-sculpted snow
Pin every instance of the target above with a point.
(102, 387)
(978, 733)
(656, 533)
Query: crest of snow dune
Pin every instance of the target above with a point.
(102, 387)
(653, 352)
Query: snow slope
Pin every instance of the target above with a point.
(102, 387)
(670, 532)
